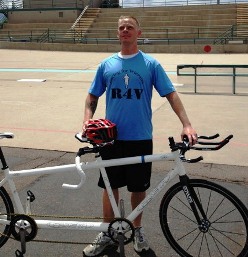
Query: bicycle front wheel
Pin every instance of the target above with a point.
(6, 209)
(227, 222)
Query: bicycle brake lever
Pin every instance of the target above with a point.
(182, 157)
(79, 137)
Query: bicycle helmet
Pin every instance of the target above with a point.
(100, 131)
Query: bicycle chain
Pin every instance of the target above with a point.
(58, 217)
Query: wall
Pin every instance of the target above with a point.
(229, 48)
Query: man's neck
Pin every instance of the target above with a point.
(128, 50)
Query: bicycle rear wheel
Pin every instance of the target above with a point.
(228, 228)
(6, 209)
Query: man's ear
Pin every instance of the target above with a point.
(139, 33)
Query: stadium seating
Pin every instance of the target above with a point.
(161, 26)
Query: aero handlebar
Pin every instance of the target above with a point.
(184, 146)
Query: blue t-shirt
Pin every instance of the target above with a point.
(128, 84)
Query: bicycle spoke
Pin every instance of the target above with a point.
(180, 238)
(183, 214)
(224, 216)
(223, 234)
(193, 241)
(231, 232)
(217, 207)
(201, 246)
(208, 248)
(201, 201)
(215, 239)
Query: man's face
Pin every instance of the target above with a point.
(128, 30)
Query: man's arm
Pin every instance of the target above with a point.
(178, 108)
(90, 108)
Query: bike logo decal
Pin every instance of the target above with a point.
(187, 193)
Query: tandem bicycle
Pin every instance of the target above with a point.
(215, 220)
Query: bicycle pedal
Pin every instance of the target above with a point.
(19, 253)
(31, 196)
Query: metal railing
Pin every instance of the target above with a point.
(209, 70)
(148, 3)
(190, 35)
(234, 32)
(79, 17)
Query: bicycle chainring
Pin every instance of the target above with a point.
(26, 223)
(123, 227)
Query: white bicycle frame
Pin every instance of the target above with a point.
(80, 168)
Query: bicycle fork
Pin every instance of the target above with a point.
(195, 204)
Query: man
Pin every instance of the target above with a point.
(128, 78)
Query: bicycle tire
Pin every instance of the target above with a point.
(6, 208)
(228, 232)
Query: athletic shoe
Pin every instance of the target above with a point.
(140, 242)
(102, 242)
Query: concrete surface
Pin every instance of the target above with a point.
(46, 115)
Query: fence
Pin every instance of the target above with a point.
(202, 70)
(162, 36)
(149, 3)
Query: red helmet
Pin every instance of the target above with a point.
(101, 131)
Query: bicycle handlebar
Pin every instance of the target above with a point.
(80, 172)
(184, 146)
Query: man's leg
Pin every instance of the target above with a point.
(136, 199)
(140, 241)
(108, 214)
(103, 241)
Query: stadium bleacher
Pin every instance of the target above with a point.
(193, 25)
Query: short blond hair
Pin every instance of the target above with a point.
(122, 17)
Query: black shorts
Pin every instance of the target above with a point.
(135, 176)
